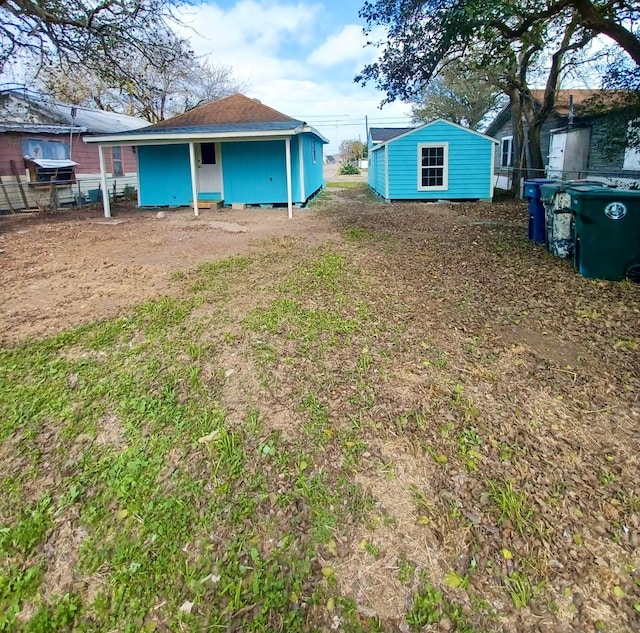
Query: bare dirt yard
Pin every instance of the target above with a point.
(372, 417)
(78, 266)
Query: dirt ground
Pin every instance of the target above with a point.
(76, 267)
(496, 405)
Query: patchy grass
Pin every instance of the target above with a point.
(398, 430)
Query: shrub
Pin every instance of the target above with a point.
(348, 169)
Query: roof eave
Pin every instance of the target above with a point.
(429, 124)
(182, 137)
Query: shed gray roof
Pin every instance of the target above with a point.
(96, 121)
(382, 134)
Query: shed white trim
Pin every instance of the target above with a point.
(435, 166)
(376, 147)
(386, 172)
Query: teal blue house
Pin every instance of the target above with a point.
(436, 161)
(234, 150)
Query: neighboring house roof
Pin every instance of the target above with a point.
(36, 106)
(39, 128)
(382, 134)
(581, 98)
(236, 116)
(411, 130)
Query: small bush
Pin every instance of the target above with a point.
(348, 169)
(129, 193)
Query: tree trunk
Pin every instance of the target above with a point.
(518, 140)
(536, 162)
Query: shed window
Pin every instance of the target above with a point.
(506, 151)
(117, 168)
(314, 155)
(208, 153)
(433, 166)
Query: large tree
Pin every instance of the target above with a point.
(457, 94)
(101, 36)
(148, 92)
(506, 38)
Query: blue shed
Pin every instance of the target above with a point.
(235, 150)
(438, 160)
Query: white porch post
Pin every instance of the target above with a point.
(103, 180)
(194, 177)
(303, 197)
(287, 153)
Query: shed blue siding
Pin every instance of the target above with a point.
(164, 175)
(373, 158)
(313, 178)
(375, 174)
(469, 164)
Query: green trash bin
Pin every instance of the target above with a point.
(607, 232)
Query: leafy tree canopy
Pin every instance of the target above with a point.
(424, 35)
(101, 37)
(457, 95)
(148, 92)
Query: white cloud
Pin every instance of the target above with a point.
(247, 28)
(337, 110)
(346, 46)
(274, 46)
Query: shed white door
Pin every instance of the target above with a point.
(557, 146)
(209, 170)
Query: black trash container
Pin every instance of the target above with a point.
(607, 232)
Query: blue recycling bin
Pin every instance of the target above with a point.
(533, 195)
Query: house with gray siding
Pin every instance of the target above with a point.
(235, 150)
(437, 160)
(574, 142)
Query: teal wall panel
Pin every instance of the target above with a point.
(469, 164)
(164, 175)
(375, 175)
(254, 172)
(313, 178)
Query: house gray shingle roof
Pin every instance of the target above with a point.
(382, 134)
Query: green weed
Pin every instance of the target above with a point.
(512, 505)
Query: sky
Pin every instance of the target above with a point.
(297, 57)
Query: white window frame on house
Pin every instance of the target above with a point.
(444, 166)
(117, 162)
(314, 152)
(509, 153)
